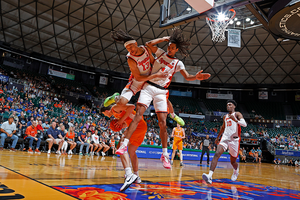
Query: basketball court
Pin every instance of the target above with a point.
(44, 176)
(33, 176)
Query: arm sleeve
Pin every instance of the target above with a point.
(242, 122)
(180, 66)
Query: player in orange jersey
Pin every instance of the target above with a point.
(178, 134)
(125, 114)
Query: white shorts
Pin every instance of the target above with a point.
(231, 143)
(159, 97)
(57, 140)
(132, 87)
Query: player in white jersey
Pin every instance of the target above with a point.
(156, 88)
(139, 60)
(231, 130)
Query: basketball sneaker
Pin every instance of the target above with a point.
(181, 164)
(37, 151)
(138, 180)
(235, 175)
(110, 100)
(103, 154)
(97, 153)
(178, 119)
(128, 181)
(122, 149)
(166, 161)
(30, 150)
(207, 179)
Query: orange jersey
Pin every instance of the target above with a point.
(178, 133)
(70, 135)
(138, 135)
(128, 120)
(30, 131)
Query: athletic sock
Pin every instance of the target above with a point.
(236, 170)
(181, 157)
(125, 142)
(136, 173)
(165, 152)
(210, 173)
(128, 171)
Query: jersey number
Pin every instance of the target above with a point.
(229, 123)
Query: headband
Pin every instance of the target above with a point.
(129, 42)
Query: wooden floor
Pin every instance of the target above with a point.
(30, 175)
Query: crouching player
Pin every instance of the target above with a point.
(125, 114)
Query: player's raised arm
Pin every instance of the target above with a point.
(152, 44)
(199, 76)
(239, 119)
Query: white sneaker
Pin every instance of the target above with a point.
(49, 151)
(128, 181)
(58, 152)
(103, 154)
(70, 152)
(235, 175)
(138, 180)
(207, 179)
(97, 153)
(92, 153)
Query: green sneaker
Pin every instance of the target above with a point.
(178, 119)
(80, 154)
(110, 100)
(87, 154)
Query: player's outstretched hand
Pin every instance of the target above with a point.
(167, 38)
(202, 76)
(161, 74)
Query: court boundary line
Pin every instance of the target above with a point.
(37, 181)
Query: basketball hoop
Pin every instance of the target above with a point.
(218, 24)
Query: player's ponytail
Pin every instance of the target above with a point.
(181, 42)
(120, 36)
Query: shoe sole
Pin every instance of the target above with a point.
(205, 179)
(127, 186)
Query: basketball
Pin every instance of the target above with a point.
(113, 126)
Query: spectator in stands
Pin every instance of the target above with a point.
(252, 132)
(54, 137)
(31, 133)
(112, 144)
(246, 134)
(277, 161)
(69, 137)
(8, 129)
(242, 155)
(82, 141)
(297, 163)
(46, 125)
(277, 125)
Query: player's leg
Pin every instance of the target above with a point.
(173, 116)
(214, 162)
(129, 176)
(174, 147)
(207, 154)
(142, 105)
(234, 147)
(202, 154)
(180, 148)
(122, 99)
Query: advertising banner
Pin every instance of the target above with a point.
(61, 74)
(192, 116)
(218, 96)
(4, 78)
(150, 152)
(287, 153)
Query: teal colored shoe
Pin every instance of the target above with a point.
(110, 100)
(80, 154)
(178, 119)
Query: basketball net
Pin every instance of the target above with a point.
(218, 27)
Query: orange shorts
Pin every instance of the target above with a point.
(138, 135)
(178, 144)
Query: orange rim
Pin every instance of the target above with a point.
(231, 10)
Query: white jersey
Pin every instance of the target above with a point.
(232, 128)
(167, 64)
(143, 64)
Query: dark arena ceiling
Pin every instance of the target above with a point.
(79, 31)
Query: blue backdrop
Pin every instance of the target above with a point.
(148, 152)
